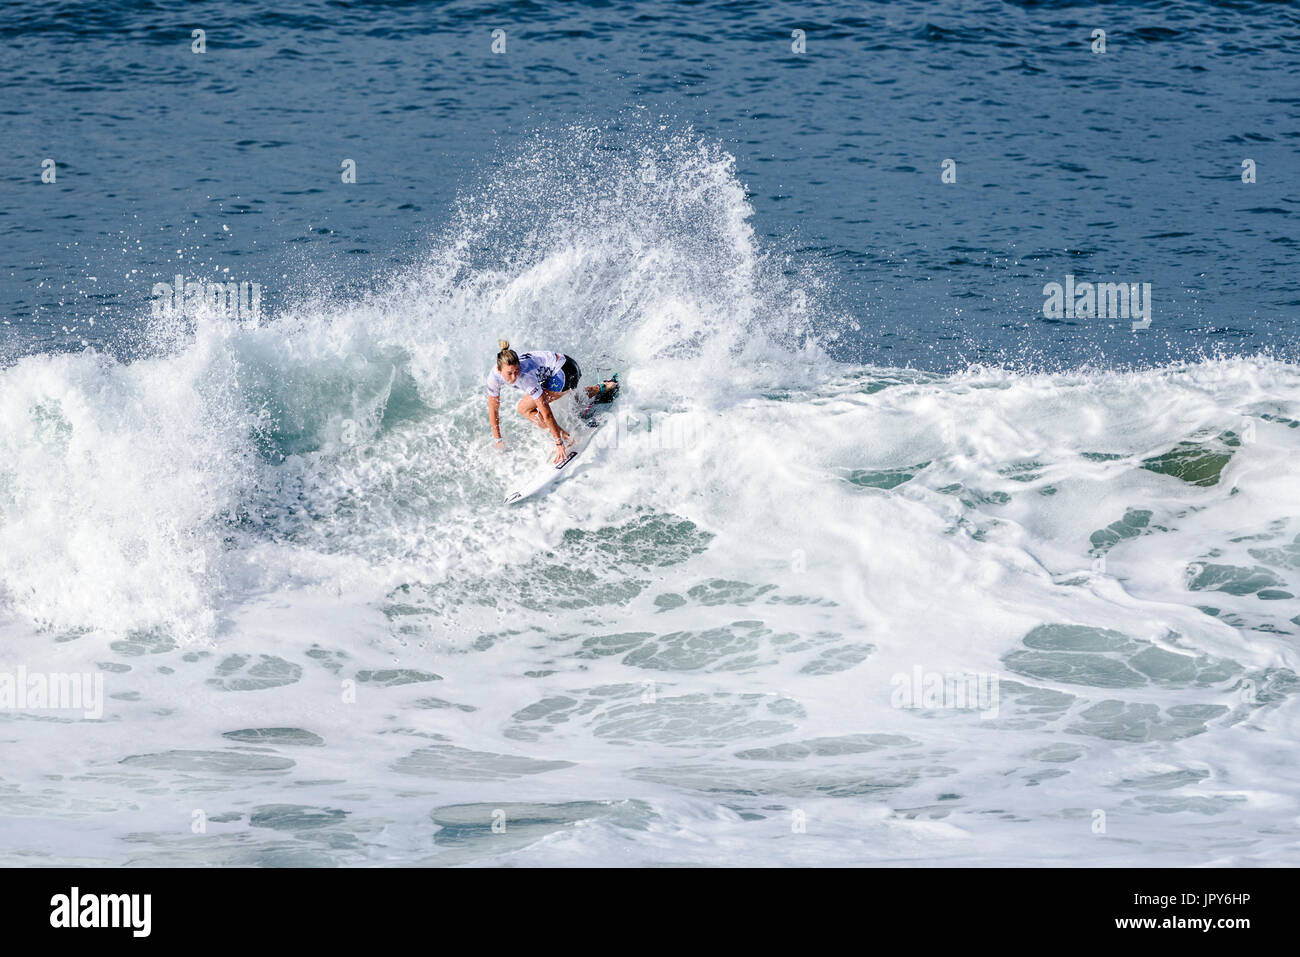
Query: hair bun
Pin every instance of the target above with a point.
(504, 344)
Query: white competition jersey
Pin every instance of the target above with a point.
(537, 370)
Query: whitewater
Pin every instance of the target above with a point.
(323, 640)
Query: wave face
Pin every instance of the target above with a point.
(797, 610)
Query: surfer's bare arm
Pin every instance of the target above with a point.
(494, 416)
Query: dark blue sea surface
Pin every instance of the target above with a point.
(1120, 166)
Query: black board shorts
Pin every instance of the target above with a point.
(571, 374)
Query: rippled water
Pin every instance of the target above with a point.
(856, 470)
(1123, 166)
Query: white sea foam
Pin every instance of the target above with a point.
(324, 640)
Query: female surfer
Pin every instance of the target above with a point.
(543, 377)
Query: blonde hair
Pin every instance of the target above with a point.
(507, 356)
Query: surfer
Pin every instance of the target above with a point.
(543, 377)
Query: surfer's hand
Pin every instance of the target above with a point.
(561, 452)
(499, 444)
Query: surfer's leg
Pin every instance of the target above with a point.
(527, 407)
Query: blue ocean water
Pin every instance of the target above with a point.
(883, 562)
(1117, 166)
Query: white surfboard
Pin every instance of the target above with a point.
(591, 422)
